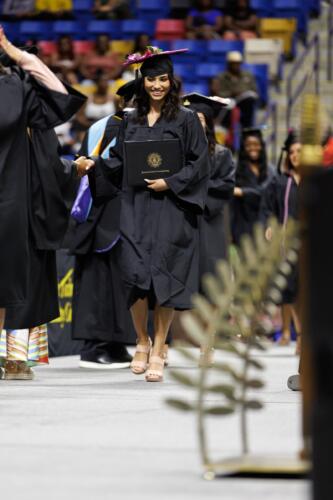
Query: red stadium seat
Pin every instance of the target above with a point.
(170, 29)
(82, 47)
(47, 48)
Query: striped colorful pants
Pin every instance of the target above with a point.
(29, 345)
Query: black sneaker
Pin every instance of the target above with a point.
(106, 359)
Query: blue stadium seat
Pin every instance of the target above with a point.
(196, 53)
(185, 72)
(217, 49)
(83, 5)
(151, 10)
(12, 29)
(293, 8)
(112, 28)
(161, 44)
(200, 88)
(133, 27)
(72, 28)
(260, 71)
(263, 8)
(209, 70)
(40, 30)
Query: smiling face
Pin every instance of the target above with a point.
(157, 87)
(294, 155)
(253, 148)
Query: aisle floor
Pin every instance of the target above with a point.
(95, 435)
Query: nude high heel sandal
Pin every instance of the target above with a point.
(139, 367)
(155, 375)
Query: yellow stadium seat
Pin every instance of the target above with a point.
(279, 28)
(122, 47)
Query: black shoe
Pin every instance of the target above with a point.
(294, 382)
(119, 351)
(98, 359)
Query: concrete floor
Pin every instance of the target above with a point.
(90, 435)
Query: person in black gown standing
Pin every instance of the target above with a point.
(100, 316)
(159, 246)
(253, 175)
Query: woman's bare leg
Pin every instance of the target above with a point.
(286, 321)
(163, 317)
(139, 312)
(298, 326)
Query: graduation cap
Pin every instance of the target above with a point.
(154, 61)
(253, 131)
(128, 90)
(208, 106)
(5, 60)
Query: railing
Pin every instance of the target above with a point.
(293, 93)
(330, 42)
(270, 121)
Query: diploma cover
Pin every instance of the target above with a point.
(152, 160)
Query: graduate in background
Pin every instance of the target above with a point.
(100, 316)
(33, 212)
(213, 245)
(159, 246)
(281, 199)
(253, 175)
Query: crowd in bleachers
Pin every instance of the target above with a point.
(236, 47)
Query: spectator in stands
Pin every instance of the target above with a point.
(18, 8)
(240, 85)
(63, 60)
(101, 57)
(54, 8)
(99, 105)
(204, 21)
(241, 22)
(112, 9)
(141, 42)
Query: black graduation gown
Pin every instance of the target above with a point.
(29, 228)
(159, 246)
(246, 209)
(99, 303)
(212, 225)
(276, 203)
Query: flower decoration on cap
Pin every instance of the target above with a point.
(149, 53)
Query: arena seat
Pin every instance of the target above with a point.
(265, 51)
(83, 9)
(122, 47)
(133, 27)
(99, 27)
(284, 29)
(290, 9)
(217, 49)
(185, 72)
(82, 47)
(40, 30)
(169, 29)
(263, 8)
(162, 44)
(196, 53)
(151, 10)
(72, 28)
(47, 47)
(209, 70)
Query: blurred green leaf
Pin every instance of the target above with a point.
(183, 379)
(225, 389)
(178, 404)
(254, 384)
(252, 404)
(219, 410)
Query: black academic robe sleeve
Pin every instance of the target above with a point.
(253, 194)
(190, 184)
(269, 203)
(48, 108)
(221, 182)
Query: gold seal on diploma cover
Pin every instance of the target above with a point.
(154, 160)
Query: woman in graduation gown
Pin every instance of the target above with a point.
(253, 175)
(220, 185)
(100, 315)
(32, 210)
(281, 199)
(159, 246)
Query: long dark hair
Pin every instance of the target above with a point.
(243, 161)
(171, 104)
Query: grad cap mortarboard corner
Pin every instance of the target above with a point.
(5, 60)
(207, 105)
(154, 61)
(128, 90)
(254, 131)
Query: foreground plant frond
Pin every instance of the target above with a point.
(229, 318)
